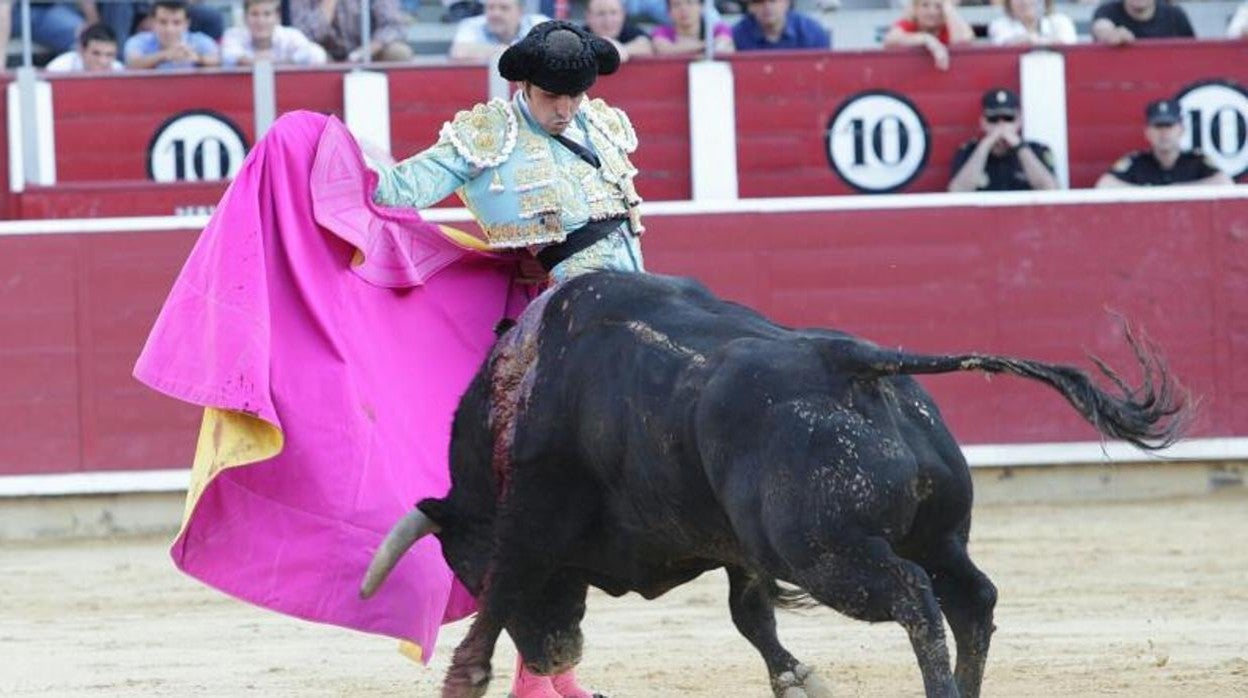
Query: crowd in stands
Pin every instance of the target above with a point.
(163, 34)
(98, 36)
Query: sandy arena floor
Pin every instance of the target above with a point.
(1147, 599)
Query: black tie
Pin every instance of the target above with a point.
(581, 151)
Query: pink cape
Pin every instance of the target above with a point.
(359, 366)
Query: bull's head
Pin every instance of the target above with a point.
(401, 538)
(465, 544)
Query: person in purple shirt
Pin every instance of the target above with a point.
(774, 24)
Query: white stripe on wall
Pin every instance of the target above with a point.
(980, 456)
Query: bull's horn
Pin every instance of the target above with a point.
(404, 535)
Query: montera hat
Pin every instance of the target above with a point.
(559, 57)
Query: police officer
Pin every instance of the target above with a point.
(1165, 162)
(1001, 160)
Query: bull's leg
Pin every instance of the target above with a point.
(868, 581)
(469, 675)
(546, 626)
(967, 597)
(754, 615)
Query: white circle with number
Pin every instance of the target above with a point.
(196, 146)
(877, 141)
(1215, 115)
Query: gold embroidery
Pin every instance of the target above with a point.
(521, 234)
(538, 201)
(611, 122)
(484, 136)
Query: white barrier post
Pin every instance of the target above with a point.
(263, 96)
(712, 131)
(1042, 76)
(366, 107)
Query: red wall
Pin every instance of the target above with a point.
(75, 311)
(1034, 281)
(785, 100)
(127, 197)
(107, 175)
(1107, 88)
(103, 125)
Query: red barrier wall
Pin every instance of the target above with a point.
(75, 311)
(785, 100)
(103, 125)
(1033, 281)
(1107, 88)
(108, 175)
(129, 197)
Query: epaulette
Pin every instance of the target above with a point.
(1200, 155)
(613, 123)
(1124, 163)
(484, 136)
(1046, 154)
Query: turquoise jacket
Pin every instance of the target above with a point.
(523, 186)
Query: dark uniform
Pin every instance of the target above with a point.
(1142, 169)
(1002, 172)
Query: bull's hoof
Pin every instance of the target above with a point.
(466, 682)
(801, 682)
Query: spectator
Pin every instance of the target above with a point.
(205, 18)
(1165, 162)
(263, 36)
(774, 24)
(1238, 28)
(54, 26)
(1001, 160)
(121, 17)
(459, 10)
(97, 53)
(1025, 23)
(687, 32)
(605, 18)
(504, 24)
(1119, 22)
(653, 10)
(933, 24)
(170, 44)
(335, 25)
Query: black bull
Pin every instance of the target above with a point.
(633, 432)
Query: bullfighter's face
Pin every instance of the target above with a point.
(553, 112)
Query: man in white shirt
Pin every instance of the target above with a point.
(263, 36)
(478, 39)
(96, 53)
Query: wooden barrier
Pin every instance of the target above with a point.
(785, 101)
(1033, 275)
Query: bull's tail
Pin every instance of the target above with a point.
(1152, 415)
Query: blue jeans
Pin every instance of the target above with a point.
(54, 27)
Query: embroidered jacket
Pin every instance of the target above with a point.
(522, 186)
